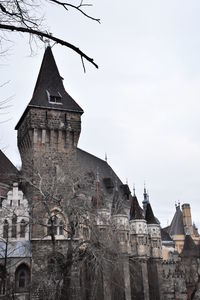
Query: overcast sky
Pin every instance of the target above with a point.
(141, 107)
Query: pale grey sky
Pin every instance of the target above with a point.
(141, 107)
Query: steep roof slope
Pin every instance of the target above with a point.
(88, 162)
(190, 249)
(176, 227)
(165, 235)
(114, 190)
(150, 218)
(7, 169)
(49, 86)
(135, 210)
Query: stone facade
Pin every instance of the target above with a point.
(89, 237)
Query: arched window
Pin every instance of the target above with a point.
(22, 278)
(61, 228)
(22, 228)
(14, 226)
(5, 229)
(52, 226)
(55, 226)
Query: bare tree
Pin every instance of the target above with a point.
(5, 104)
(26, 17)
(91, 253)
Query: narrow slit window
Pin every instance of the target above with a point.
(22, 229)
(14, 226)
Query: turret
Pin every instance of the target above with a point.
(138, 229)
(121, 225)
(154, 233)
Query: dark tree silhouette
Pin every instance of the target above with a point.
(26, 17)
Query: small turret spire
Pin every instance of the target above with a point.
(47, 43)
(106, 157)
(134, 189)
(146, 199)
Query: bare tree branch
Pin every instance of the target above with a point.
(78, 7)
(50, 37)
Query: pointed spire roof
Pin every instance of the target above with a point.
(177, 227)
(49, 88)
(135, 210)
(150, 218)
(189, 248)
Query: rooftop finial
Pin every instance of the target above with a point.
(148, 196)
(106, 157)
(126, 180)
(47, 43)
(145, 191)
(134, 189)
(145, 188)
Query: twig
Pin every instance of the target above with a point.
(42, 34)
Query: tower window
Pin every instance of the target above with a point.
(22, 278)
(54, 97)
(5, 229)
(61, 228)
(22, 229)
(14, 226)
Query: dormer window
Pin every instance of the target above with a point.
(54, 98)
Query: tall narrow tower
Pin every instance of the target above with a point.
(48, 134)
(51, 123)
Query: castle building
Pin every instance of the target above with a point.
(69, 228)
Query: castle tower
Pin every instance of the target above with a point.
(51, 123)
(154, 262)
(138, 229)
(139, 246)
(48, 134)
(154, 232)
